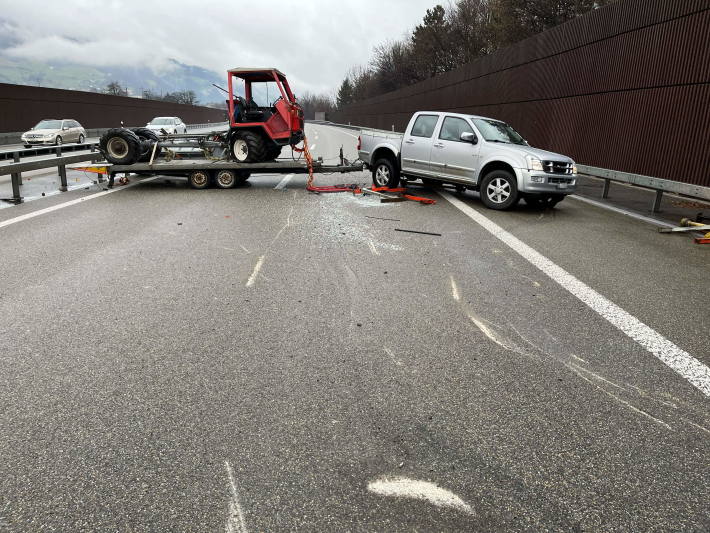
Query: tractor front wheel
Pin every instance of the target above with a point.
(248, 147)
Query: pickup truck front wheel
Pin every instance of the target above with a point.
(384, 174)
(499, 190)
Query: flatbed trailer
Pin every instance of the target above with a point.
(201, 172)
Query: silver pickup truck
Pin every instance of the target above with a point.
(470, 152)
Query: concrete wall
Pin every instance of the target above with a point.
(626, 87)
(21, 107)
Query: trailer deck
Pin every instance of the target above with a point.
(186, 167)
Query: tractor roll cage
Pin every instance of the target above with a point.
(255, 75)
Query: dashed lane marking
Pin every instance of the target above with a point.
(235, 521)
(255, 273)
(402, 487)
(282, 184)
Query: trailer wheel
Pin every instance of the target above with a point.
(148, 138)
(225, 179)
(384, 174)
(120, 146)
(248, 147)
(199, 179)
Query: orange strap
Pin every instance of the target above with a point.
(421, 200)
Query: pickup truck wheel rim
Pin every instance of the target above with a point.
(241, 150)
(382, 176)
(498, 190)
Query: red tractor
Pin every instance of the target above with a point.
(265, 119)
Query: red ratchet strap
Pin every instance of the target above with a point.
(343, 187)
(421, 200)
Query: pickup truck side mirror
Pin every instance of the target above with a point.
(469, 137)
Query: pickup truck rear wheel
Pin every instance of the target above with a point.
(384, 174)
(499, 190)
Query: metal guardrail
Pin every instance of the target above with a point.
(16, 168)
(659, 185)
(16, 154)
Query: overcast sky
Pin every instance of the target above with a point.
(315, 42)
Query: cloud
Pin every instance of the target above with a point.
(315, 42)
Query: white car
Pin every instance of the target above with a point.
(171, 125)
(54, 131)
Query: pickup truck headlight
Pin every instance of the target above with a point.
(535, 164)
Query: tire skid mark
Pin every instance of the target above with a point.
(659, 410)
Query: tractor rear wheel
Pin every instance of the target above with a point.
(248, 147)
(120, 146)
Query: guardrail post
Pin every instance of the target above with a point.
(605, 190)
(16, 179)
(58, 150)
(656, 206)
(16, 159)
(63, 178)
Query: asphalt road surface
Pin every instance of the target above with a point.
(265, 359)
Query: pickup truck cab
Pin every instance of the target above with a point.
(470, 152)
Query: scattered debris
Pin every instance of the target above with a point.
(415, 231)
(382, 218)
(687, 225)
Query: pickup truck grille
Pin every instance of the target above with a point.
(557, 167)
(559, 180)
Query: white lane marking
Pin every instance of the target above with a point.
(454, 289)
(679, 360)
(622, 211)
(284, 181)
(257, 267)
(236, 521)
(394, 359)
(402, 487)
(243, 248)
(372, 247)
(46, 210)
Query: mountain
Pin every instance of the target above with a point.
(176, 77)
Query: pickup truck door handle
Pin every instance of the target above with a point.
(438, 145)
(409, 141)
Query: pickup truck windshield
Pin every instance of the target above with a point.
(496, 131)
(162, 121)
